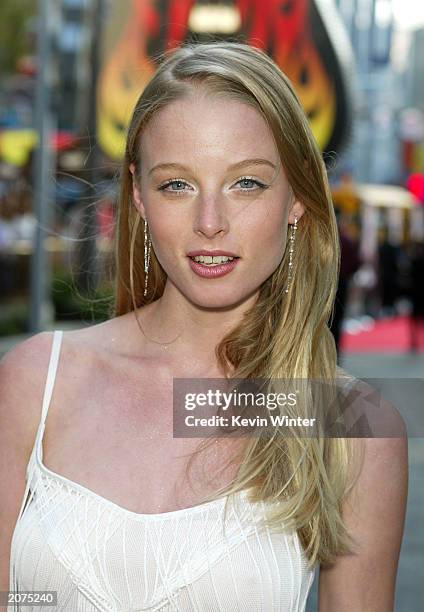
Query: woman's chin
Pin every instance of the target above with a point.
(219, 300)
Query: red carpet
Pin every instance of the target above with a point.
(391, 334)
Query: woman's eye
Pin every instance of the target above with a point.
(246, 184)
(175, 183)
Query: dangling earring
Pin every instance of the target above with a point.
(147, 246)
(292, 238)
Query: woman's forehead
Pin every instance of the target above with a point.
(201, 110)
(214, 127)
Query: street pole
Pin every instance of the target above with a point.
(41, 310)
(87, 273)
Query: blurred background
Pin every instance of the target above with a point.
(70, 74)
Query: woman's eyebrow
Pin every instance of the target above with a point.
(257, 161)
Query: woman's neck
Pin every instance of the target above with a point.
(185, 331)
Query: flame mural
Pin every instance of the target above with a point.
(304, 37)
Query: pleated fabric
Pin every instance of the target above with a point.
(99, 556)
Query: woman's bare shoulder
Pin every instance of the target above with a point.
(23, 369)
(22, 377)
(367, 410)
(21, 366)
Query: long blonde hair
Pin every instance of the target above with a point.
(284, 335)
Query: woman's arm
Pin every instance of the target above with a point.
(21, 385)
(374, 514)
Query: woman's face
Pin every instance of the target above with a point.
(199, 192)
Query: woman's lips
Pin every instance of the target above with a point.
(212, 271)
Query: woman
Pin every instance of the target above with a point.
(220, 162)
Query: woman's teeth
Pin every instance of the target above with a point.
(212, 261)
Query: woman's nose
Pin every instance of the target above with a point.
(211, 217)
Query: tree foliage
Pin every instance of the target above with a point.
(14, 40)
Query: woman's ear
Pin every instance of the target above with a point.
(296, 208)
(138, 202)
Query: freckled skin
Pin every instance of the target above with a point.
(209, 209)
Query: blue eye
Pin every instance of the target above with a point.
(172, 182)
(246, 179)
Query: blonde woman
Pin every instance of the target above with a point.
(98, 503)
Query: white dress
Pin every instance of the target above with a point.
(99, 556)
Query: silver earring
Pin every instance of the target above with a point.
(291, 244)
(147, 247)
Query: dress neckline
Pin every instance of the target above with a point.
(205, 506)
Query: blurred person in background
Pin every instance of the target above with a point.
(416, 257)
(349, 264)
(388, 273)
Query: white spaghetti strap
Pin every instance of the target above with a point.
(48, 390)
(51, 373)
